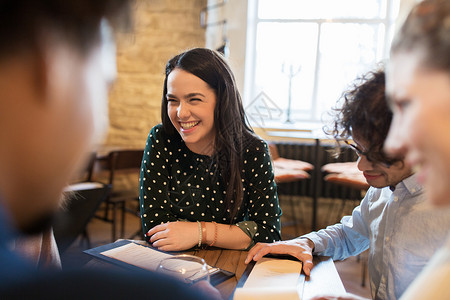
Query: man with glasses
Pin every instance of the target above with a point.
(393, 220)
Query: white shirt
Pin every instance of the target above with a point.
(400, 228)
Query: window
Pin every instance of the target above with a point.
(319, 46)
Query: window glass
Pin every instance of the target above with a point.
(346, 51)
(319, 47)
(281, 50)
(320, 9)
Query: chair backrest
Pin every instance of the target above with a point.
(89, 170)
(125, 161)
(273, 150)
(86, 173)
(81, 205)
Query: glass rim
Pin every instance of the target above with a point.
(189, 268)
(190, 256)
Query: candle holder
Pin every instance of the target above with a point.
(291, 72)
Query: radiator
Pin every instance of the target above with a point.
(318, 155)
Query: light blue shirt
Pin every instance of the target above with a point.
(401, 230)
(433, 281)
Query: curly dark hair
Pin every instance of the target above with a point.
(364, 112)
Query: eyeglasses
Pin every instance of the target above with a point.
(373, 157)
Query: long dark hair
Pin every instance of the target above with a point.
(232, 130)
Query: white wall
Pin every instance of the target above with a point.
(235, 31)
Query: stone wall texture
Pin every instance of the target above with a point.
(163, 28)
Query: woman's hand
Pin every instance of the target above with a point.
(174, 236)
(300, 248)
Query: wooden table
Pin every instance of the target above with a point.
(324, 278)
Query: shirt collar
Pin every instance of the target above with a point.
(410, 184)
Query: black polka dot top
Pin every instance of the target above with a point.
(178, 184)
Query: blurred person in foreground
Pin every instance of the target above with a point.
(55, 72)
(418, 87)
(393, 220)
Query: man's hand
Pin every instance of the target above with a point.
(174, 236)
(300, 248)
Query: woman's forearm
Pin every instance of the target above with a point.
(226, 236)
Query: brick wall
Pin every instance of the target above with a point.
(163, 28)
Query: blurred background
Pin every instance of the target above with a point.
(319, 46)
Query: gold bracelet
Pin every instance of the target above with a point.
(199, 234)
(215, 234)
(203, 225)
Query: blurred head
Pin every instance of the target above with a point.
(54, 84)
(364, 116)
(418, 87)
(212, 121)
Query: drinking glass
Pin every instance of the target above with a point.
(188, 268)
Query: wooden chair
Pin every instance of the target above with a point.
(86, 175)
(82, 201)
(347, 174)
(286, 171)
(121, 162)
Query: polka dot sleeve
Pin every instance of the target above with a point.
(260, 195)
(154, 182)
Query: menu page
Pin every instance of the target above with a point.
(272, 279)
(145, 257)
(137, 255)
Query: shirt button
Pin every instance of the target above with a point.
(395, 199)
(387, 239)
(413, 190)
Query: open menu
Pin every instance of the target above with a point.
(272, 278)
(131, 255)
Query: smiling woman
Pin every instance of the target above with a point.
(190, 107)
(418, 83)
(204, 164)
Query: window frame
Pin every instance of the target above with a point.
(391, 11)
